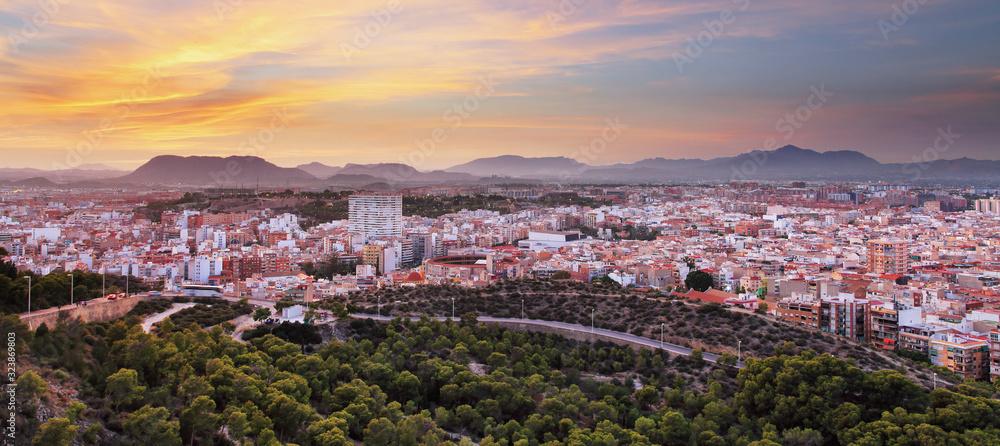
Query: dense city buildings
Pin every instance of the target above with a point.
(865, 262)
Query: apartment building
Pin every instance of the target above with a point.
(888, 256)
(844, 315)
(752, 228)
(988, 205)
(885, 323)
(966, 355)
(376, 215)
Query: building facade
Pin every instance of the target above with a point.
(376, 215)
(888, 256)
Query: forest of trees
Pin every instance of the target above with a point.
(708, 326)
(428, 382)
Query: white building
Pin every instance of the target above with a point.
(376, 215)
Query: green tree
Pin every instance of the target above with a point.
(31, 386)
(237, 425)
(697, 356)
(647, 396)
(726, 359)
(380, 432)
(123, 388)
(75, 409)
(261, 314)
(150, 426)
(329, 432)
(561, 275)
(199, 416)
(802, 437)
(55, 432)
(699, 280)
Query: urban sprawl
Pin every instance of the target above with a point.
(893, 266)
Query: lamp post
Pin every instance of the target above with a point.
(453, 308)
(379, 307)
(661, 336)
(522, 309)
(935, 380)
(592, 310)
(739, 350)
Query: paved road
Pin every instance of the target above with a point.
(652, 343)
(147, 323)
(252, 301)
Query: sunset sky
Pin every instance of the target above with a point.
(362, 81)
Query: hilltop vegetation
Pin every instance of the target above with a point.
(710, 327)
(428, 382)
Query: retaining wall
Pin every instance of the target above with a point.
(93, 312)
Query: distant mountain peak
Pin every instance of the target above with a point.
(215, 170)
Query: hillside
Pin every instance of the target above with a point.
(709, 327)
(445, 383)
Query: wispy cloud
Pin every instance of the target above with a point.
(223, 73)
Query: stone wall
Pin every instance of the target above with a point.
(93, 312)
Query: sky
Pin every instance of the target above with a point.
(436, 83)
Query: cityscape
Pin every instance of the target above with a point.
(510, 224)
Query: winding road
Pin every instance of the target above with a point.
(147, 323)
(651, 343)
(648, 342)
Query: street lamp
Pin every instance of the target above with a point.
(739, 350)
(522, 309)
(661, 336)
(453, 308)
(592, 310)
(935, 380)
(379, 307)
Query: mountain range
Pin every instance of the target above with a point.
(785, 163)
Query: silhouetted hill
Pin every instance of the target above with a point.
(519, 166)
(402, 173)
(319, 170)
(30, 182)
(214, 170)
